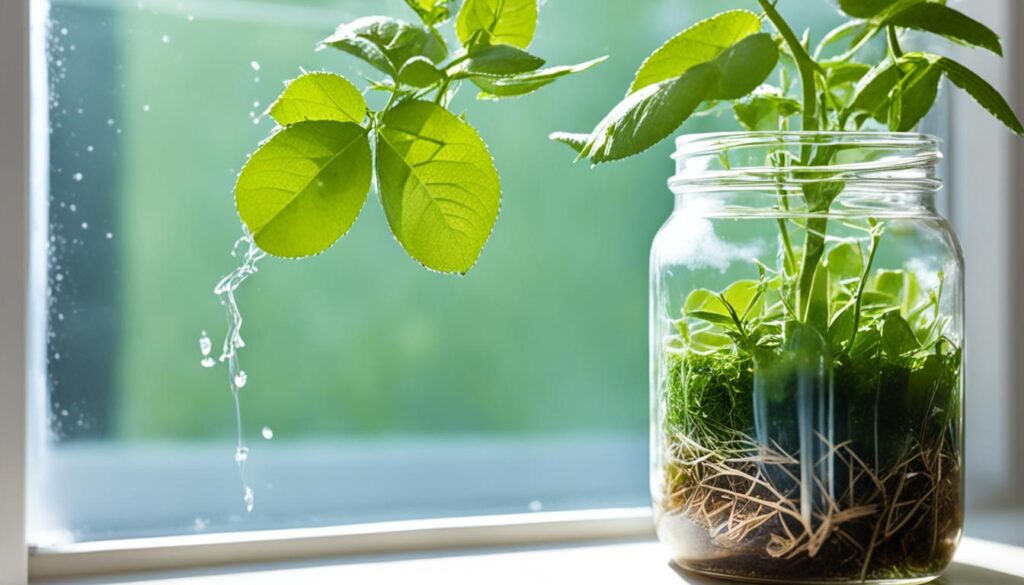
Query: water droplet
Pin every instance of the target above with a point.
(190, 18)
(268, 433)
(252, 114)
(64, 32)
(110, 121)
(240, 379)
(205, 345)
(208, 362)
(110, 236)
(64, 412)
(60, 316)
(59, 277)
(165, 39)
(81, 110)
(241, 455)
(256, 104)
(145, 108)
(250, 500)
(535, 506)
(73, 207)
(200, 524)
(85, 225)
(89, 148)
(77, 177)
(256, 79)
(255, 66)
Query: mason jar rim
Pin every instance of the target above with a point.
(709, 142)
(893, 160)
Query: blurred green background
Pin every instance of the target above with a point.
(547, 335)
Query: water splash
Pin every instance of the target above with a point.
(233, 342)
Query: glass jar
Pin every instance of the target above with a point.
(807, 360)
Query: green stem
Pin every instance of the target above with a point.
(804, 63)
(876, 235)
(894, 44)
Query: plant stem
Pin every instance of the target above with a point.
(894, 44)
(876, 235)
(804, 63)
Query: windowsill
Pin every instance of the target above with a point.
(978, 563)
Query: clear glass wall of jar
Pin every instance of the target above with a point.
(807, 360)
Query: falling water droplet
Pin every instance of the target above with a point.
(250, 500)
(89, 148)
(110, 121)
(165, 39)
(85, 225)
(240, 379)
(145, 108)
(77, 177)
(241, 455)
(110, 236)
(208, 362)
(73, 208)
(190, 18)
(64, 32)
(536, 506)
(268, 433)
(256, 104)
(205, 345)
(255, 65)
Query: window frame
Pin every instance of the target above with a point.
(23, 170)
(14, 278)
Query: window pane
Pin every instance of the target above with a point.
(376, 390)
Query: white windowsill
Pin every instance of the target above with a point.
(978, 563)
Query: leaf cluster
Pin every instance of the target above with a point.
(729, 58)
(305, 185)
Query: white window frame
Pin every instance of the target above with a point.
(985, 210)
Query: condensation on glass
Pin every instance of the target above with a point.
(806, 360)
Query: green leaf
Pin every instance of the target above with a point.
(897, 337)
(712, 317)
(708, 341)
(915, 93)
(864, 8)
(420, 72)
(512, 22)
(502, 60)
(942, 20)
(495, 88)
(303, 188)
(846, 72)
(762, 109)
(319, 96)
(574, 140)
(744, 297)
(871, 95)
(841, 328)
(698, 44)
(431, 12)
(386, 43)
(889, 282)
(744, 66)
(438, 185)
(982, 92)
(852, 30)
(845, 262)
(648, 116)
